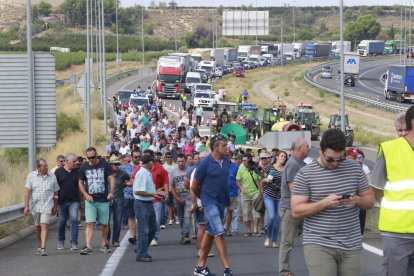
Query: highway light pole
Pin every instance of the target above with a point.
(142, 33)
(104, 71)
(31, 120)
(88, 82)
(117, 38)
(341, 26)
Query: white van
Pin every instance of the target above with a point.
(190, 80)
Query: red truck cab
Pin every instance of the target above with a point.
(168, 81)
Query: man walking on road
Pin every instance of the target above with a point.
(199, 114)
(93, 184)
(68, 180)
(145, 193)
(41, 200)
(210, 184)
(289, 225)
(393, 182)
(328, 194)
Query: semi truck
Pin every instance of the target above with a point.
(371, 47)
(209, 66)
(245, 51)
(299, 49)
(336, 47)
(268, 48)
(399, 83)
(351, 63)
(186, 60)
(230, 55)
(394, 46)
(169, 78)
(218, 56)
(283, 50)
(319, 49)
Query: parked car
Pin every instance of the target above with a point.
(204, 99)
(238, 71)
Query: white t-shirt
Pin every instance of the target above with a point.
(124, 150)
(191, 184)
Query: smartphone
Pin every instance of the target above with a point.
(345, 196)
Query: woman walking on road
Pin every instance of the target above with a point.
(271, 194)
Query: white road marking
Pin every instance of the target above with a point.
(116, 257)
(367, 87)
(372, 249)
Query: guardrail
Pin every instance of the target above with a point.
(11, 213)
(370, 102)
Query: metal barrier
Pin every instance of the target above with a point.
(370, 102)
(11, 213)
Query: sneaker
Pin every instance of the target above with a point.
(73, 247)
(170, 222)
(154, 243)
(86, 251)
(43, 252)
(185, 240)
(105, 248)
(61, 245)
(177, 221)
(203, 271)
(38, 251)
(162, 226)
(228, 272)
(132, 240)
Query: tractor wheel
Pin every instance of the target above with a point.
(349, 138)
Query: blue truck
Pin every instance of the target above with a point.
(319, 49)
(399, 83)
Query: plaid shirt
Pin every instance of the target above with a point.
(43, 189)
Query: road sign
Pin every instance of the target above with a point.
(14, 100)
(80, 87)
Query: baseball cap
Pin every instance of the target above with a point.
(352, 152)
(264, 155)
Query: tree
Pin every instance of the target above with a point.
(44, 8)
(364, 27)
(306, 34)
(391, 32)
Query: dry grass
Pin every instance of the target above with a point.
(287, 83)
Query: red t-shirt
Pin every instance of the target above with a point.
(159, 176)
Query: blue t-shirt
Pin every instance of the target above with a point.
(214, 181)
(233, 189)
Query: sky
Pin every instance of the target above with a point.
(267, 3)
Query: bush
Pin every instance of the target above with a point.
(66, 124)
(16, 155)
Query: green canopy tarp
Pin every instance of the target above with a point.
(237, 130)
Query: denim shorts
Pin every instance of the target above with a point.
(98, 210)
(214, 214)
(200, 217)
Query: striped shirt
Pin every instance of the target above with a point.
(333, 227)
(43, 188)
(273, 188)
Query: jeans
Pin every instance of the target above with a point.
(273, 220)
(236, 216)
(147, 225)
(71, 209)
(184, 216)
(164, 219)
(116, 208)
(158, 217)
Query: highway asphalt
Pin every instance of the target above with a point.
(247, 256)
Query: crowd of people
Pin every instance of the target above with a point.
(157, 172)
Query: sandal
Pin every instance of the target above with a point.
(248, 234)
(256, 234)
(275, 245)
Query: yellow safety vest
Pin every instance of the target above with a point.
(397, 205)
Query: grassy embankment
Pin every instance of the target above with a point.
(371, 125)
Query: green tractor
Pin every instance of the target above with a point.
(306, 116)
(272, 115)
(335, 122)
(249, 120)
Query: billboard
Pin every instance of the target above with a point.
(245, 23)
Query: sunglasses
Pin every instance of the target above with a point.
(116, 164)
(91, 157)
(264, 158)
(168, 156)
(332, 160)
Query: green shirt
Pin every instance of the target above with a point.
(246, 179)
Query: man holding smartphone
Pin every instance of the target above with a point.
(328, 194)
